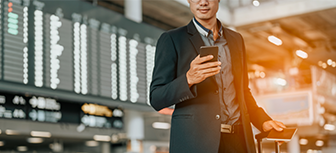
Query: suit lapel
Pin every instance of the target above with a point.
(195, 37)
(197, 42)
(235, 54)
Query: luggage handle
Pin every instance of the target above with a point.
(263, 135)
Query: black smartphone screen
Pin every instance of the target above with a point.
(209, 50)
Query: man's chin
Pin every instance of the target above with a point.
(203, 17)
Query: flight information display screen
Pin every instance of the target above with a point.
(46, 109)
(74, 46)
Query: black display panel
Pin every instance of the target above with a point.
(47, 109)
(15, 41)
(74, 46)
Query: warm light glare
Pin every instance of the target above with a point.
(102, 138)
(115, 138)
(329, 62)
(333, 64)
(161, 125)
(91, 143)
(152, 148)
(35, 140)
(281, 82)
(256, 3)
(301, 54)
(257, 73)
(293, 71)
(40, 134)
(319, 143)
(329, 127)
(324, 65)
(22, 148)
(303, 141)
(12, 132)
(275, 40)
(1, 143)
(262, 74)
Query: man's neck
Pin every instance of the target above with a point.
(210, 24)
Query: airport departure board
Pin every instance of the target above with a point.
(74, 46)
(46, 109)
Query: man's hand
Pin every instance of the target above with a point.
(271, 124)
(199, 70)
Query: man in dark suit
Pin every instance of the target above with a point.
(213, 103)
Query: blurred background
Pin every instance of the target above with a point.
(74, 74)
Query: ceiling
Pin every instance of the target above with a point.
(314, 33)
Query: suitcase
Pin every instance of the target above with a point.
(263, 135)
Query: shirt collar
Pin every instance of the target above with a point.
(204, 31)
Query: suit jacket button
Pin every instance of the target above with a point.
(217, 117)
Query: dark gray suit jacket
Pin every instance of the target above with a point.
(195, 128)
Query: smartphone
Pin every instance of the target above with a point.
(285, 135)
(210, 50)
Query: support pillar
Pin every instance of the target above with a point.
(133, 10)
(105, 147)
(134, 122)
(293, 145)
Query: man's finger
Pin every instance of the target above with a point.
(280, 124)
(210, 70)
(280, 142)
(211, 74)
(276, 126)
(204, 59)
(209, 65)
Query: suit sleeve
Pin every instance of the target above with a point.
(257, 114)
(167, 88)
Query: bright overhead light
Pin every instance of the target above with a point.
(319, 143)
(161, 125)
(329, 62)
(329, 127)
(152, 148)
(114, 138)
(303, 141)
(101, 138)
(262, 74)
(319, 63)
(12, 132)
(35, 140)
(40, 134)
(91, 143)
(275, 40)
(256, 3)
(22, 148)
(301, 54)
(324, 65)
(281, 82)
(333, 64)
(293, 71)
